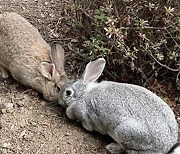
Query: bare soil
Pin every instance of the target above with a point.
(29, 124)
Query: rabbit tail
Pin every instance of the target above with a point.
(175, 149)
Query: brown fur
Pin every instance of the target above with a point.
(22, 50)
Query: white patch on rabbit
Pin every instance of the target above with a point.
(94, 85)
(91, 86)
(176, 151)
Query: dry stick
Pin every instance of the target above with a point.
(40, 148)
(94, 1)
(177, 77)
(165, 66)
(144, 85)
(8, 149)
(86, 14)
(115, 8)
(49, 115)
(134, 28)
(172, 37)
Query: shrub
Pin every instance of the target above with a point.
(139, 39)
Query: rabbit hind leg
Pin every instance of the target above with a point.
(133, 135)
(141, 152)
(115, 148)
(4, 72)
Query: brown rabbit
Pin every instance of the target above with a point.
(28, 58)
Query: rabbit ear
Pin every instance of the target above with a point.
(47, 69)
(93, 70)
(57, 55)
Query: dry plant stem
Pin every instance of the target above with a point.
(165, 66)
(115, 2)
(172, 38)
(40, 148)
(94, 1)
(8, 149)
(177, 78)
(144, 85)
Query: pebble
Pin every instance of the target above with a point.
(7, 108)
(20, 103)
(5, 145)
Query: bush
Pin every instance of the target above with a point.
(139, 39)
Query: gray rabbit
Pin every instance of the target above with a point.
(139, 121)
(28, 58)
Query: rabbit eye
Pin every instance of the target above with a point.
(58, 88)
(68, 92)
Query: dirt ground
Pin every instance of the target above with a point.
(30, 125)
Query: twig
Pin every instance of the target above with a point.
(165, 66)
(115, 8)
(93, 2)
(145, 83)
(8, 149)
(177, 77)
(86, 14)
(40, 148)
(158, 28)
(49, 115)
(172, 37)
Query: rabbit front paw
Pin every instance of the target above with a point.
(4, 72)
(87, 126)
(70, 113)
(115, 148)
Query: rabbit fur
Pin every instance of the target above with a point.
(138, 120)
(28, 58)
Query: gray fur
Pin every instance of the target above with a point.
(133, 116)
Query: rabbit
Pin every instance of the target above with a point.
(28, 58)
(138, 120)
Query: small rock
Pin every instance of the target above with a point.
(22, 134)
(3, 111)
(5, 145)
(67, 134)
(43, 103)
(9, 107)
(6, 107)
(20, 103)
(34, 93)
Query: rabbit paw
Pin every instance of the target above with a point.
(4, 72)
(87, 126)
(115, 148)
(70, 113)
